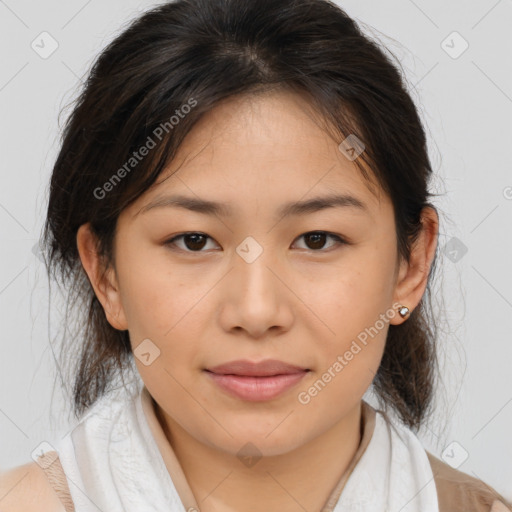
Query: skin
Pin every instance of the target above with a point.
(301, 301)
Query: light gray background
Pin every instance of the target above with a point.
(466, 104)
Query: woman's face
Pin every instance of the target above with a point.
(255, 283)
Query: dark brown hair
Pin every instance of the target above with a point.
(198, 53)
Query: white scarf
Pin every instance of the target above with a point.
(113, 464)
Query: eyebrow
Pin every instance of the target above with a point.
(289, 209)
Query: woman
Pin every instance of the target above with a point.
(241, 208)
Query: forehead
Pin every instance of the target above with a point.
(268, 147)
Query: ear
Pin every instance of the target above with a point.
(413, 274)
(102, 279)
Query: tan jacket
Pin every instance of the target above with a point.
(458, 491)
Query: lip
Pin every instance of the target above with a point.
(256, 381)
(265, 368)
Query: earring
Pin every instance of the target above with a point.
(404, 311)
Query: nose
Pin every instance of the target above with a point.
(255, 298)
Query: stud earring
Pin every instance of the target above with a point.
(404, 311)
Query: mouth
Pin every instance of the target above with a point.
(260, 381)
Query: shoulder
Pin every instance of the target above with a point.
(26, 488)
(457, 490)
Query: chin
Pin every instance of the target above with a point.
(263, 440)
(250, 449)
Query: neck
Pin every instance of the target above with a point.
(302, 479)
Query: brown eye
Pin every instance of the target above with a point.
(315, 240)
(192, 242)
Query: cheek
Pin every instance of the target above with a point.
(165, 308)
(348, 360)
(355, 306)
(167, 305)
(155, 295)
(357, 291)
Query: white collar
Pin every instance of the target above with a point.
(113, 464)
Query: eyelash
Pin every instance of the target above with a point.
(171, 242)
